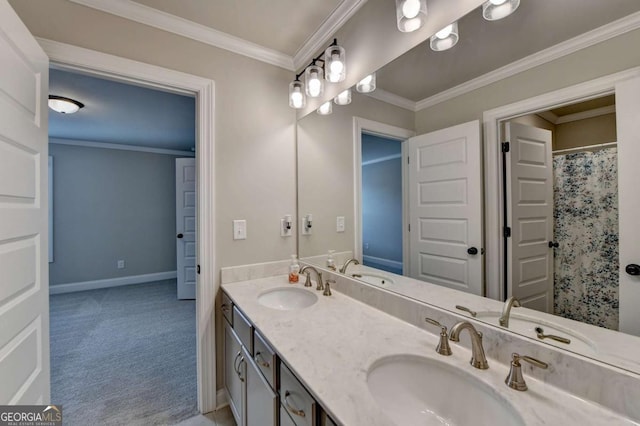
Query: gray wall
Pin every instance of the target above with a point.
(110, 205)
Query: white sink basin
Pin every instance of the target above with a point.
(287, 298)
(414, 390)
(526, 325)
(375, 279)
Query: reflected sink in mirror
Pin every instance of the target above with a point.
(287, 298)
(414, 390)
(525, 325)
(375, 279)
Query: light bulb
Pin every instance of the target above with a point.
(344, 98)
(411, 8)
(326, 108)
(367, 84)
(445, 32)
(412, 24)
(336, 65)
(497, 2)
(296, 99)
(315, 85)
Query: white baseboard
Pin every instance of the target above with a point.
(111, 282)
(222, 400)
(382, 261)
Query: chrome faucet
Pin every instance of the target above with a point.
(506, 310)
(307, 282)
(478, 358)
(347, 263)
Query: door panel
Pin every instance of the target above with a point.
(445, 205)
(530, 215)
(24, 284)
(232, 383)
(628, 124)
(262, 402)
(186, 225)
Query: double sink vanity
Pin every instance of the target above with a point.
(366, 356)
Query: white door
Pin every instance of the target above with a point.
(24, 281)
(530, 216)
(186, 227)
(628, 125)
(445, 208)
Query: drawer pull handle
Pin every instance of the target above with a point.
(235, 362)
(260, 360)
(224, 307)
(239, 366)
(290, 408)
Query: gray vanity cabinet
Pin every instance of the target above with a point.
(261, 400)
(234, 373)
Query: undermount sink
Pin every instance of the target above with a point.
(526, 325)
(287, 298)
(375, 279)
(414, 390)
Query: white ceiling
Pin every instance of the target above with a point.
(122, 113)
(485, 46)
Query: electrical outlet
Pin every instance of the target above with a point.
(120, 264)
(340, 224)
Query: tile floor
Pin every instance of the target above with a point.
(222, 417)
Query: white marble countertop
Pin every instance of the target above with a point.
(331, 345)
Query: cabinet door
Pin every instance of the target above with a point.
(233, 374)
(262, 401)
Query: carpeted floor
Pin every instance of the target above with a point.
(124, 355)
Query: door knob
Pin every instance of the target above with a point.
(179, 236)
(553, 244)
(472, 251)
(632, 269)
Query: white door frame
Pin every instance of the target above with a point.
(385, 130)
(492, 120)
(65, 56)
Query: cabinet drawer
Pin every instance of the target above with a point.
(227, 308)
(265, 358)
(295, 399)
(243, 329)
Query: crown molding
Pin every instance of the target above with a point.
(549, 116)
(155, 18)
(314, 44)
(592, 113)
(603, 33)
(393, 99)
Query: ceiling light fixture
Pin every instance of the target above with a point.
(64, 105)
(333, 69)
(326, 108)
(367, 84)
(410, 14)
(446, 38)
(344, 98)
(493, 10)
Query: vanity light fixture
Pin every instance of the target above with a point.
(367, 84)
(446, 38)
(335, 67)
(326, 108)
(344, 98)
(314, 83)
(492, 10)
(297, 99)
(411, 14)
(64, 105)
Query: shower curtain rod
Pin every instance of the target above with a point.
(585, 148)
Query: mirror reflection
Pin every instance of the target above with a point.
(397, 179)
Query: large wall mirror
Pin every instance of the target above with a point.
(410, 179)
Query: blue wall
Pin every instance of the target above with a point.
(382, 202)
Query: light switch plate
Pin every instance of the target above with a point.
(284, 232)
(239, 229)
(303, 227)
(340, 224)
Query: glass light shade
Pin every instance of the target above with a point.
(446, 38)
(314, 83)
(335, 68)
(343, 98)
(64, 105)
(410, 14)
(367, 84)
(326, 108)
(297, 99)
(493, 10)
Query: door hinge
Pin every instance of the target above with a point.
(408, 160)
(198, 269)
(409, 227)
(505, 146)
(507, 232)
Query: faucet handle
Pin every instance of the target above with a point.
(307, 282)
(515, 379)
(443, 347)
(327, 287)
(320, 285)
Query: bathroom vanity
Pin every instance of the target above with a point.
(365, 356)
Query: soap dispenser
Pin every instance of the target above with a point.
(294, 270)
(331, 264)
